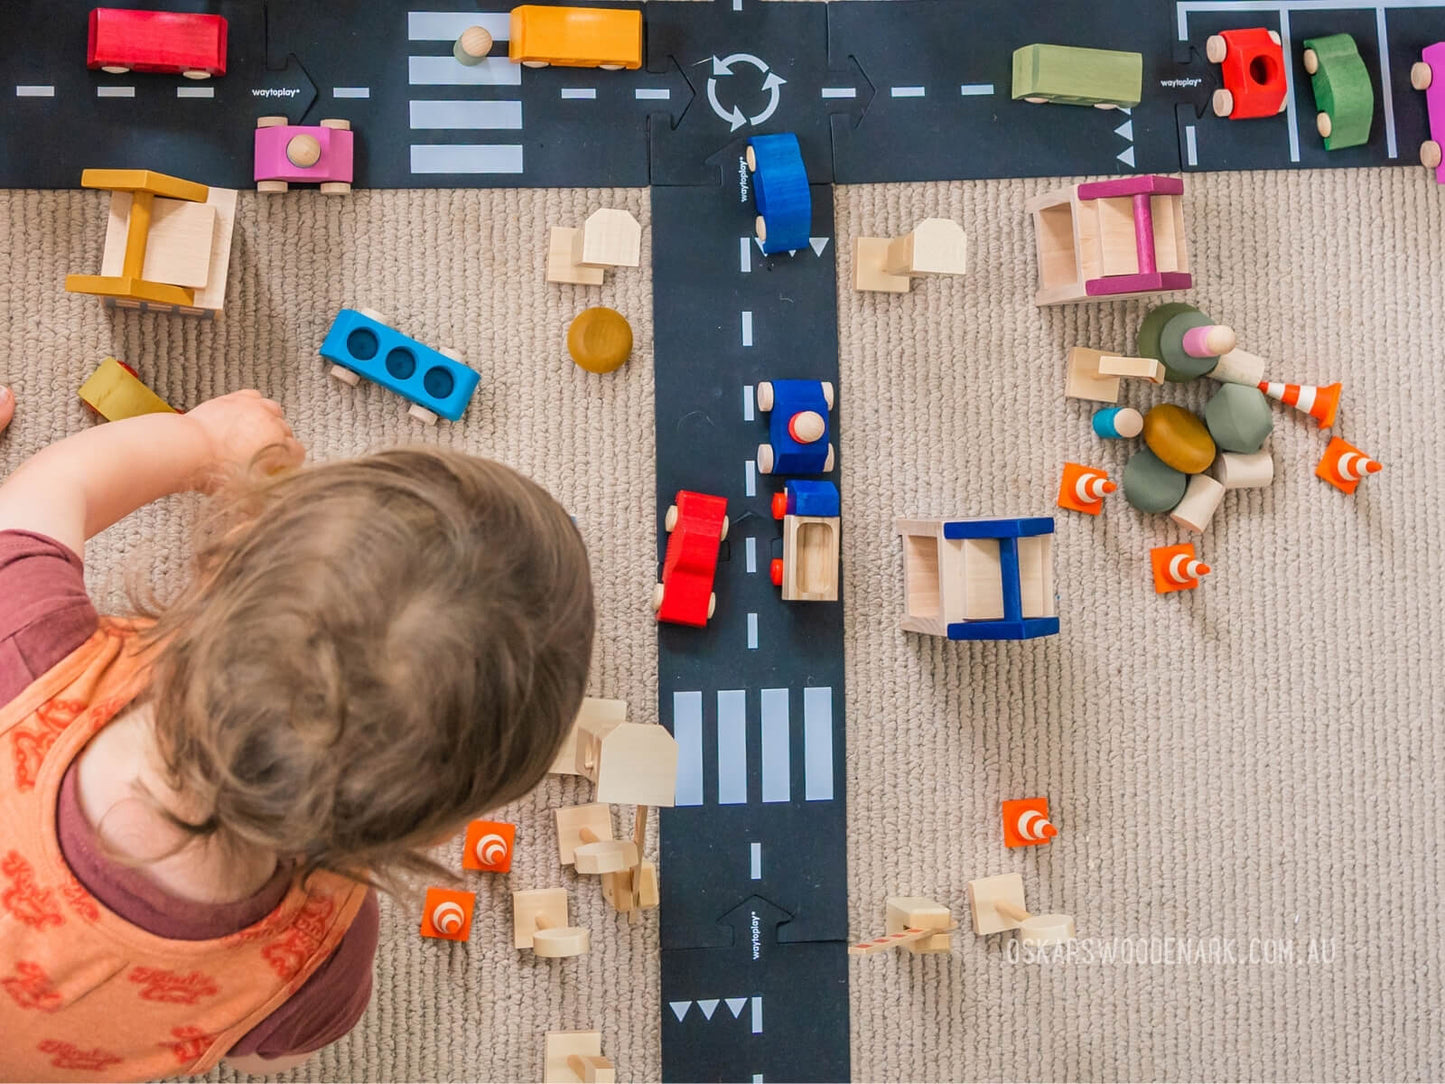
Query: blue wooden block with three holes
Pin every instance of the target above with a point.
(384, 355)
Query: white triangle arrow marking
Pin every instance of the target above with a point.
(1127, 111)
(708, 1007)
(1126, 130)
(736, 1005)
(818, 243)
(1127, 157)
(760, 245)
(680, 1008)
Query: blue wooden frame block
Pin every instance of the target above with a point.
(385, 356)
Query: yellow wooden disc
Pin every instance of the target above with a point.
(599, 340)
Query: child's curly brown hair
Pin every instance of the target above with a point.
(369, 653)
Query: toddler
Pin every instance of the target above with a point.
(196, 806)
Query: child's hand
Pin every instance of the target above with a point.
(7, 407)
(235, 428)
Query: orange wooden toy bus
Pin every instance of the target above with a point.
(576, 37)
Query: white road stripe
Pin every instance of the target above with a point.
(757, 1016)
(351, 92)
(969, 90)
(32, 91)
(195, 92)
(1386, 91)
(745, 254)
(466, 158)
(687, 731)
(747, 327)
(906, 92)
(652, 94)
(732, 747)
(752, 632)
(115, 92)
(454, 113)
(751, 545)
(755, 861)
(747, 402)
(840, 92)
(448, 25)
(750, 479)
(444, 71)
(818, 744)
(775, 752)
(577, 94)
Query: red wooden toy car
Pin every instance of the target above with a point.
(1251, 63)
(169, 42)
(696, 525)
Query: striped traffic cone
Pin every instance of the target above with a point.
(1083, 489)
(1026, 822)
(1344, 466)
(1176, 568)
(1319, 403)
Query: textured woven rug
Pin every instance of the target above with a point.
(1245, 777)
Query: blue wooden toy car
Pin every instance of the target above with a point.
(361, 344)
(798, 428)
(780, 190)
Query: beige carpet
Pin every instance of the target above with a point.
(1255, 760)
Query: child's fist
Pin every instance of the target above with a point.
(238, 427)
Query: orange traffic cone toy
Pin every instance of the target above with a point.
(1344, 466)
(1320, 404)
(1083, 489)
(1026, 822)
(1176, 568)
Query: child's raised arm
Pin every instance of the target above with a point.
(78, 487)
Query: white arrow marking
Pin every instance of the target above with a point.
(708, 1007)
(1128, 111)
(736, 118)
(680, 1008)
(819, 244)
(1126, 130)
(724, 66)
(759, 243)
(771, 85)
(736, 1005)
(1127, 157)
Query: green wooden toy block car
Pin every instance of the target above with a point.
(1069, 75)
(1344, 94)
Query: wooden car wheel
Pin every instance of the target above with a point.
(1216, 48)
(829, 462)
(561, 942)
(1274, 37)
(751, 159)
(340, 125)
(1223, 103)
(335, 188)
(114, 69)
(1421, 75)
(1105, 105)
(711, 605)
(196, 73)
(657, 598)
(828, 393)
(1311, 61)
(726, 524)
(611, 67)
(1324, 125)
(765, 459)
(372, 314)
(1430, 154)
(271, 122)
(760, 228)
(346, 376)
(669, 521)
(536, 64)
(764, 396)
(1037, 101)
(272, 187)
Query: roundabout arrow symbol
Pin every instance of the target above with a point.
(735, 117)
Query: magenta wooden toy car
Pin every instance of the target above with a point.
(287, 153)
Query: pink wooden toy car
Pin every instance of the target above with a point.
(311, 155)
(1423, 76)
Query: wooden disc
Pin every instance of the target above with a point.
(562, 941)
(1041, 931)
(303, 151)
(599, 340)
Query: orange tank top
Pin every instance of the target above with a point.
(87, 995)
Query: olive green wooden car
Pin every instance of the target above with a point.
(1070, 75)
